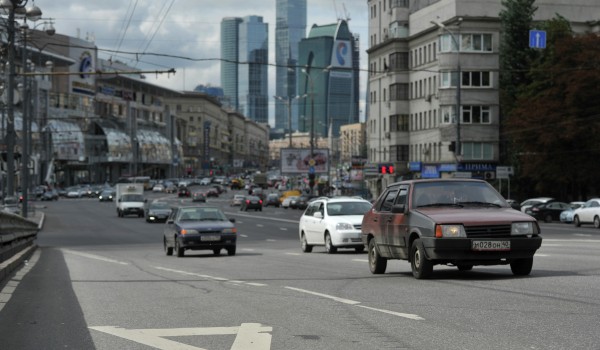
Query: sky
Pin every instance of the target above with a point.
(185, 34)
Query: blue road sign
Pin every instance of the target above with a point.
(311, 170)
(537, 39)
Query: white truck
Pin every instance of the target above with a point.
(130, 199)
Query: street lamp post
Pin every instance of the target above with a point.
(32, 13)
(311, 175)
(457, 149)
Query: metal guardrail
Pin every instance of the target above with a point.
(16, 234)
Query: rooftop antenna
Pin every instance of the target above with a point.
(346, 14)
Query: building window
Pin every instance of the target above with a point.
(399, 122)
(399, 153)
(476, 79)
(448, 114)
(468, 43)
(475, 115)
(477, 151)
(399, 61)
(399, 92)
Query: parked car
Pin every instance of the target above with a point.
(198, 196)
(106, 196)
(589, 213)
(549, 211)
(183, 191)
(333, 223)
(567, 214)
(272, 199)
(237, 200)
(457, 222)
(199, 228)
(157, 211)
(251, 202)
(533, 201)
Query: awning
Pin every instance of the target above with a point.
(154, 147)
(118, 142)
(67, 140)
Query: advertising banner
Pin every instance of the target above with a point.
(299, 161)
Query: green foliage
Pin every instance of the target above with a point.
(556, 117)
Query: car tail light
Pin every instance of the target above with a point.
(260, 201)
(247, 201)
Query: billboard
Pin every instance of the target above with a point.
(341, 55)
(298, 160)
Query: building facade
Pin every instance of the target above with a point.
(290, 28)
(94, 121)
(415, 50)
(329, 79)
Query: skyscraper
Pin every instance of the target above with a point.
(290, 28)
(330, 76)
(253, 44)
(229, 59)
(244, 66)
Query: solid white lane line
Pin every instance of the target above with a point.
(95, 257)
(356, 303)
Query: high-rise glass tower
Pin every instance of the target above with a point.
(330, 79)
(253, 44)
(229, 59)
(290, 28)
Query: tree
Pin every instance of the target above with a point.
(556, 116)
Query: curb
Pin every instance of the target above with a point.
(10, 265)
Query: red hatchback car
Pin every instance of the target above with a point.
(456, 222)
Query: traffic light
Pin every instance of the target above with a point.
(311, 180)
(386, 168)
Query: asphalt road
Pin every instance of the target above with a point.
(103, 282)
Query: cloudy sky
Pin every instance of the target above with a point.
(184, 34)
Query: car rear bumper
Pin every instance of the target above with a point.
(196, 242)
(454, 249)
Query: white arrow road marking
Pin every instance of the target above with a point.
(95, 257)
(250, 336)
(355, 303)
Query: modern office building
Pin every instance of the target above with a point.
(229, 60)
(244, 66)
(290, 28)
(253, 47)
(329, 79)
(414, 90)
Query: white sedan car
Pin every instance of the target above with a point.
(589, 213)
(333, 223)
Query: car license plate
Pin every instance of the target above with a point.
(490, 245)
(210, 238)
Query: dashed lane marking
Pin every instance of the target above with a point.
(219, 279)
(295, 254)
(361, 260)
(357, 304)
